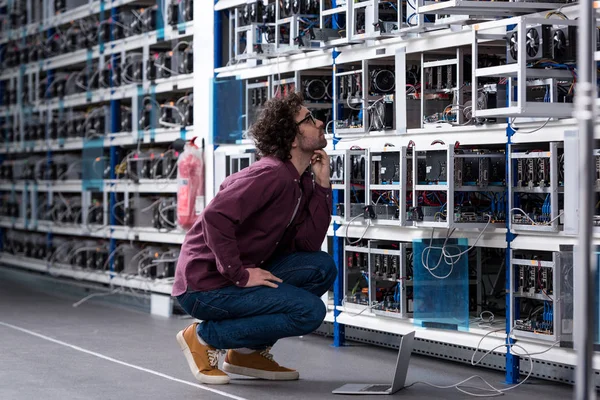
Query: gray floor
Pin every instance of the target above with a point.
(36, 367)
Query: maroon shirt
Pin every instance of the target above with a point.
(263, 211)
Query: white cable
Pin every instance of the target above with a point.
(492, 391)
(532, 221)
(516, 128)
(459, 255)
(151, 206)
(449, 259)
(361, 236)
(86, 298)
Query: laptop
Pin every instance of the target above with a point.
(406, 347)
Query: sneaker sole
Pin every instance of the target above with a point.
(207, 379)
(262, 374)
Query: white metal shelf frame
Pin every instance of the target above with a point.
(109, 48)
(104, 277)
(552, 189)
(161, 135)
(560, 298)
(518, 71)
(83, 11)
(494, 237)
(30, 190)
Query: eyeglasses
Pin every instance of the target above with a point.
(308, 116)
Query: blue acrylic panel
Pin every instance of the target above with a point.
(93, 164)
(441, 284)
(227, 121)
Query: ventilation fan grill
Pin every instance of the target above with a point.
(532, 45)
(513, 45)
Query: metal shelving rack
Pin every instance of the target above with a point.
(170, 26)
(474, 39)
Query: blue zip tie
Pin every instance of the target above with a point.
(182, 133)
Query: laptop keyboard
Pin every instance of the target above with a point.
(376, 388)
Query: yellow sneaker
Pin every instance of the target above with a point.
(259, 364)
(203, 360)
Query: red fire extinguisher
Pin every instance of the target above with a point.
(190, 184)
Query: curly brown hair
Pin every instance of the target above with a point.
(275, 129)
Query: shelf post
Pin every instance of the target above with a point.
(339, 336)
(115, 126)
(584, 285)
(512, 361)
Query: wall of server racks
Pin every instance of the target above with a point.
(95, 99)
(453, 152)
(454, 159)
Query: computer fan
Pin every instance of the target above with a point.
(382, 81)
(336, 170)
(297, 6)
(269, 14)
(285, 8)
(538, 43)
(255, 11)
(245, 14)
(564, 44)
(315, 89)
(311, 6)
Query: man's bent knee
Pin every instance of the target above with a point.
(315, 315)
(328, 266)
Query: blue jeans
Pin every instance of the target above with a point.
(257, 317)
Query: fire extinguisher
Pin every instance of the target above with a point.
(190, 184)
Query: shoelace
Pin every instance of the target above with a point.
(265, 353)
(213, 357)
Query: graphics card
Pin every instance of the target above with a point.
(538, 43)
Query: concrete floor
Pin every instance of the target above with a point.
(97, 351)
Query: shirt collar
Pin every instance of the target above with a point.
(292, 169)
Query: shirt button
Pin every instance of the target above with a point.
(237, 283)
(276, 243)
(295, 180)
(261, 261)
(229, 266)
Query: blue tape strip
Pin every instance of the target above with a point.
(183, 133)
(153, 111)
(100, 41)
(89, 64)
(160, 21)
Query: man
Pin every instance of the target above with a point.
(250, 267)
